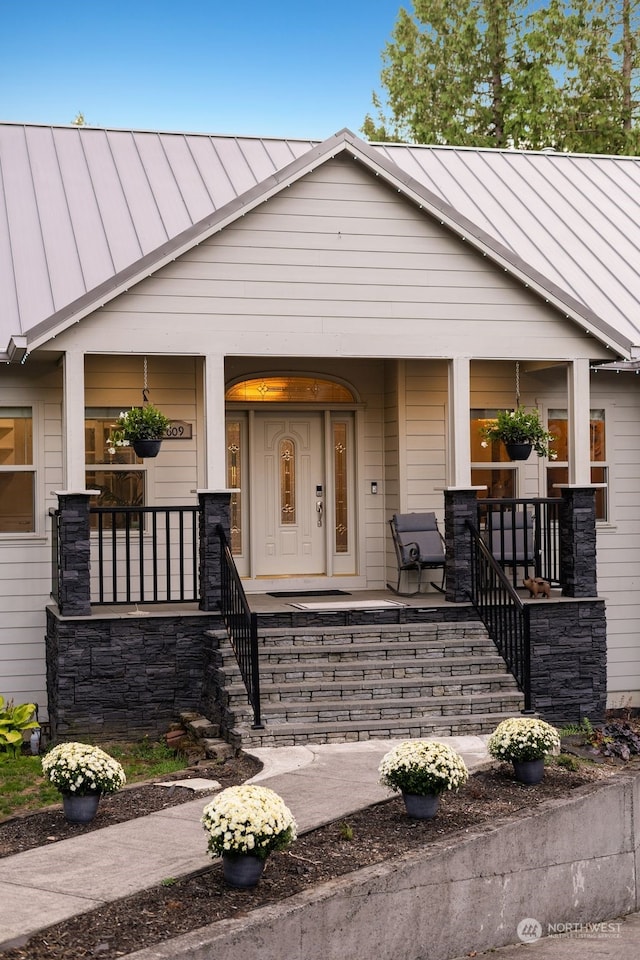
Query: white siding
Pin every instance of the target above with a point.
(335, 265)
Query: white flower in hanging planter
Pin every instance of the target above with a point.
(138, 423)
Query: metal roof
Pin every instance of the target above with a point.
(86, 211)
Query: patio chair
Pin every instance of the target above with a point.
(511, 538)
(419, 546)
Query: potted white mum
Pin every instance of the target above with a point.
(82, 773)
(245, 824)
(524, 742)
(422, 770)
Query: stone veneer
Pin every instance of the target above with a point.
(124, 676)
(568, 659)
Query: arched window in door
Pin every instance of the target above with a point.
(289, 389)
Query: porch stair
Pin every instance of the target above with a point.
(328, 684)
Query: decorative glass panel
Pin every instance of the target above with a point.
(234, 479)
(288, 389)
(287, 449)
(341, 486)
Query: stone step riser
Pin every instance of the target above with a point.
(288, 735)
(335, 655)
(301, 638)
(349, 694)
(363, 711)
(373, 672)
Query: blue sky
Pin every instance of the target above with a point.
(279, 68)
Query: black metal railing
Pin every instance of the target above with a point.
(242, 625)
(523, 535)
(144, 554)
(502, 611)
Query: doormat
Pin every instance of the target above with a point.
(310, 593)
(348, 605)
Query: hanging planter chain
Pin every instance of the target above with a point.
(145, 384)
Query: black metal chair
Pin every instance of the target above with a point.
(511, 539)
(419, 546)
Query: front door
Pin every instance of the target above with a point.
(288, 496)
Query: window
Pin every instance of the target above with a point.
(17, 475)
(559, 472)
(490, 465)
(119, 477)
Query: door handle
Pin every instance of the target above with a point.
(319, 511)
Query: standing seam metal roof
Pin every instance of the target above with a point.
(81, 205)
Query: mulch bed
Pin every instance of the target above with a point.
(368, 837)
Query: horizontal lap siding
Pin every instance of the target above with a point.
(338, 264)
(25, 562)
(618, 542)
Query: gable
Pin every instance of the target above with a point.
(337, 263)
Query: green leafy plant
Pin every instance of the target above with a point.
(423, 767)
(518, 426)
(14, 720)
(138, 423)
(523, 738)
(346, 831)
(79, 768)
(248, 819)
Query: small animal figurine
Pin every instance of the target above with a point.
(537, 587)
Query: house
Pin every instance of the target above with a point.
(326, 324)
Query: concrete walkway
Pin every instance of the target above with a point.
(319, 784)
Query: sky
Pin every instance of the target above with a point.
(251, 67)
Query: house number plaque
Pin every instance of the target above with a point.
(179, 430)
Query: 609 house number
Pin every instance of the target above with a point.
(179, 430)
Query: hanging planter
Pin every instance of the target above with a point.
(147, 448)
(521, 432)
(519, 451)
(142, 428)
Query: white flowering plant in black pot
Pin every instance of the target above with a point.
(143, 428)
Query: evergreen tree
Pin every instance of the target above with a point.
(499, 73)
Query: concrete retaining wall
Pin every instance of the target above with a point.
(569, 861)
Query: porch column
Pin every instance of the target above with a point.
(459, 506)
(578, 572)
(73, 460)
(459, 424)
(214, 422)
(215, 508)
(74, 580)
(579, 414)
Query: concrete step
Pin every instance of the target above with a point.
(290, 734)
